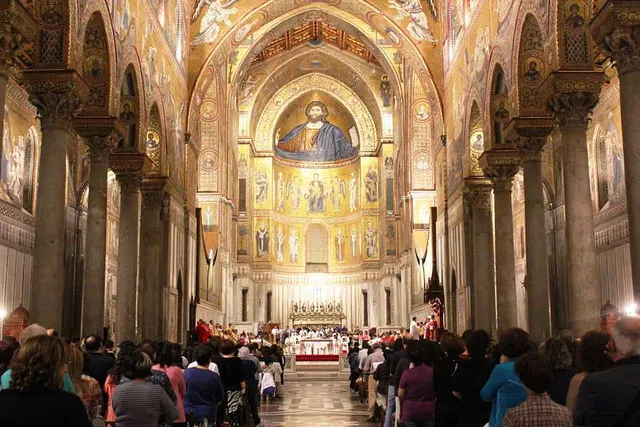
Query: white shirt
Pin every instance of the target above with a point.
(362, 357)
(413, 330)
(212, 367)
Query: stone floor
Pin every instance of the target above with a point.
(318, 403)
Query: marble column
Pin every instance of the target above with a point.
(152, 263)
(128, 241)
(500, 165)
(483, 297)
(616, 29)
(56, 110)
(530, 136)
(573, 110)
(97, 134)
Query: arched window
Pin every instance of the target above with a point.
(499, 108)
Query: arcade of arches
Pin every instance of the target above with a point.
(240, 161)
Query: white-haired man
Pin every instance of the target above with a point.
(612, 397)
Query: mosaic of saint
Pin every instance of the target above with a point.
(316, 139)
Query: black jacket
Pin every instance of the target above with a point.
(99, 367)
(604, 396)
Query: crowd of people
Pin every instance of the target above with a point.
(408, 381)
(469, 382)
(47, 380)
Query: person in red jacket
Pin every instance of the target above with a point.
(202, 331)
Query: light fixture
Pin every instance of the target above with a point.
(631, 309)
(2, 314)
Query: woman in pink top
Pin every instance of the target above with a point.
(170, 363)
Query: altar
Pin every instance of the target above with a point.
(316, 315)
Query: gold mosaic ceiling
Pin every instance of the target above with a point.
(316, 33)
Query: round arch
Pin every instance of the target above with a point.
(282, 73)
(265, 126)
(353, 15)
(129, 111)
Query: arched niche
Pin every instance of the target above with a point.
(531, 67)
(96, 66)
(129, 109)
(476, 143)
(266, 127)
(258, 85)
(499, 106)
(154, 142)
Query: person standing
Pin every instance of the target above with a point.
(370, 364)
(417, 392)
(35, 397)
(204, 388)
(561, 363)
(612, 397)
(139, 403)
(538, 409)
(100, 363)
(504, 388)
(414, 329)
(593, 356)
(169, 362)
(472, 373)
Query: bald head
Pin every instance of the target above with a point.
(626, 336)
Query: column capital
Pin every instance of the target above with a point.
(129, 161)
(57, 95)
(478, 196)
(573, 95)
(529, 135)
(154, 191)
(98, 132)
(152, 199)
(17, 33)
(500, 165)
(616, 31)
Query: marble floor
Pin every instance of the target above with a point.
(318, 403)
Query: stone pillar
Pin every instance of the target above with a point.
(56, 107)
(616, 29)
(483, 297)
(128, 167)
(573, 110)
(530, 138)
(500, 164)
(152, 261)
(97, 134)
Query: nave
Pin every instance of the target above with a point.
(315, 401)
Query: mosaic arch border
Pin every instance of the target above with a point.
(359, 15)
(282, 98)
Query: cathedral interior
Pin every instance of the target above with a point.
(300, 162)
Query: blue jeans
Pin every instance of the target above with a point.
(418, 423)
(391, 406)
